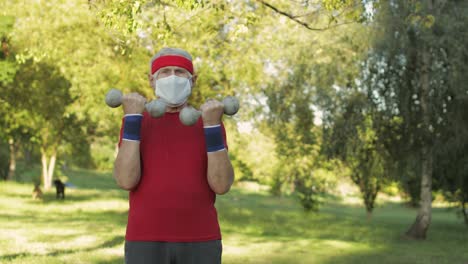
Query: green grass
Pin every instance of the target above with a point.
(89, 227)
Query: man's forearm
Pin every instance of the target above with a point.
(220, 172)
(127, 169)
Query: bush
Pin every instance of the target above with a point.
(392, 189)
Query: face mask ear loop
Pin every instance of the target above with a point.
(191, 81)
(155, 78)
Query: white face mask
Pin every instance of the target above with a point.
(174, 90)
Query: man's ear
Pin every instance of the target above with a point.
(194, 79)
(151, 80)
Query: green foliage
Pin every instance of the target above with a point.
(257, 152)
(191, 4)
(42, 91)
(355, 141)
(241, 169)
(121, 15)
(291, 122)
(8, 71)
(90, 67)
(392, 188)
(452, 168)
(365, 157)
(101, 155)
(8, 66)
(6, 26)
(409, 177)
(277, 182)
(307, 193)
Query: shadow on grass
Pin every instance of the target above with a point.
(61, 219)
(82, 178)
(267, 218)
(273, 218)
(80, 195)
(115, 260)
(115, 241)
(413, 252)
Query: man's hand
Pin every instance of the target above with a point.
(212, 112)
(133, 103)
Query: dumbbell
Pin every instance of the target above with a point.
(189, 115)
(156, 108)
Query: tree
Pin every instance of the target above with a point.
(42, 94)
(407, 78)
(8, 67)
(354, 139)
(91, 67)
(452, 168)
(291, 121)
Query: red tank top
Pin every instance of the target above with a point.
(173, 201)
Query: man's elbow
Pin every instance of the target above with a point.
(125, 184)
(220, 190)
(221, 187)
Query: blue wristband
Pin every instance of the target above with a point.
(132, 126)
(214, 138)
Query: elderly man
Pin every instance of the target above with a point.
(172, 171)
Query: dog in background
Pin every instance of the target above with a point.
(37, 193)
(60, 189)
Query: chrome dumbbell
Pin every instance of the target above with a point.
(189, 115)
(156, 108)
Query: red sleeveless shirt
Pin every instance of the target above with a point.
(173, 201)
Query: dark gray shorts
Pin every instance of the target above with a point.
(147, 252)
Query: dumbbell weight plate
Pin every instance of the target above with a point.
(231, 105)
(189, 115)
(156, 108)
(114, 98)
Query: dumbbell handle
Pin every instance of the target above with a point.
(156, 108)
(189, 115)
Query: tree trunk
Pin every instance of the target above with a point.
(464, 212)
(48, 168)
(12, 165)
(47, 185)
(50, 171)
(369, 215)
(419, 228)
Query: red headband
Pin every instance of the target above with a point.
(171, 60)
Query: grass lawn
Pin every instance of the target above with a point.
(89, 227)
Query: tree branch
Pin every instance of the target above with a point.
(302, 23)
